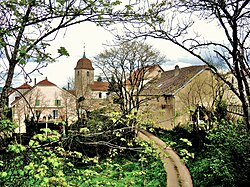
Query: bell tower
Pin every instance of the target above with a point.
(84, 77)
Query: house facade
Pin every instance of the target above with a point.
(176, 95)
(45, 103)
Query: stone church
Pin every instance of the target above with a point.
(90, 94)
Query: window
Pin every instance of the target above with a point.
(38, 113)
(57, 102)
(55, 114)
(100, 95)
(37, 103)
(88, 73)
(78, 73)
(163, 106)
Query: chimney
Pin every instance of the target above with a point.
(68, 85)
(34, 81)
(159, 73)
(176, 70)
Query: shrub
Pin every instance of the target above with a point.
(224, 161)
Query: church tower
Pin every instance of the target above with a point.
(84, 76)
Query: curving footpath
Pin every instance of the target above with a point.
(177, 173)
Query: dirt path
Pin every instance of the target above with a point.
(177, 173)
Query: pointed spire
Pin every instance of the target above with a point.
(84, 55)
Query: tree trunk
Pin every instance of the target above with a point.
(6, 89)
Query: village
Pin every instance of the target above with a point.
(162, 97)
(173, 96)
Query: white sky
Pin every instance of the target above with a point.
(94, 37)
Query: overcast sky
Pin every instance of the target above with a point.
(94, 38)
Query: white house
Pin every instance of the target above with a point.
(45, 102)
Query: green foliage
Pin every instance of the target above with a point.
(221, 110)
(62, 51)
(128, 171)
(41, 165)
(7, 126)
(107, 132)
(104, 152)
(223, 160)
(36, 164)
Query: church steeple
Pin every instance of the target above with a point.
(84, 75)
(84, 55)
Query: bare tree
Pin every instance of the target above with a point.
(27, 27)
(69, 104)
(174, 21)
(127, 68)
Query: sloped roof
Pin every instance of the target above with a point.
(73, 92)
(24, 86)
(143, 72)
(99, 86)
(45, 82)
(84, 63)
(169, 83)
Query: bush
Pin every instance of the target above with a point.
(224, 161)
(98, 153)
(221, 155)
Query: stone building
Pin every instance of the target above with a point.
(175, 95)
(90, 94)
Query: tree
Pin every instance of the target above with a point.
(27, 27)
(99, 79)
(112, 84)
(175, 22)
(127, 69)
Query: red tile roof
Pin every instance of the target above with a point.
(24, 86)
(99, 86)
(45, 82)
(84, 63)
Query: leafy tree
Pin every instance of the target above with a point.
(126, 67)
(27, 27)
(174, 21)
